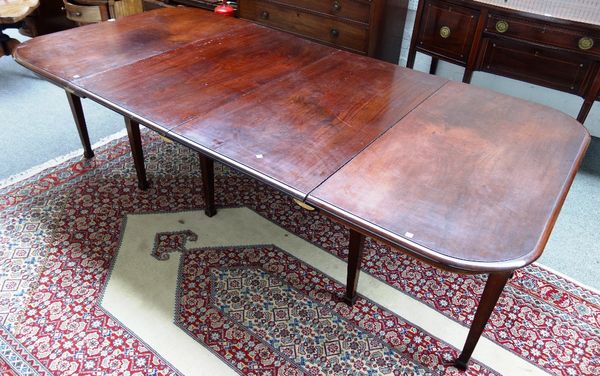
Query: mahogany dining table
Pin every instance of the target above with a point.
(462, 178)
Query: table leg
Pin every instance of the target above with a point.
(412, 54)
(208, 184)
(584, 111)
(434, 65)
(135, 141)
(467, 76)
(493, 288)
(77, 110)
(355, 254)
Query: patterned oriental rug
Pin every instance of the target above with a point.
(100, 278)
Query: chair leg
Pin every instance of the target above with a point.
(493, 288)
(356, 248)
(208, 184)
(135, 141)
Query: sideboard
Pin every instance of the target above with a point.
(552, 43)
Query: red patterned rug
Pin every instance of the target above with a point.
(256, 309)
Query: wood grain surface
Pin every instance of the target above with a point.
(186, 82)
(471, 179)
(301, 128)
(92, 49)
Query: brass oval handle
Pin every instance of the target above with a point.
(337, 6)
(264, 15)
(444, 31)
(586, 43)
(75, 14)
(334, 33)
(502, 26)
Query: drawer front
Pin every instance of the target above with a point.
(349, 9)
(538, 32)
(86, 13)
(543, 66)
(447, 30)
(323, 29)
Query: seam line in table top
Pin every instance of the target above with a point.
(73, 84)
(172, 131)
(395, 123)
(262, 86)
(209, 38)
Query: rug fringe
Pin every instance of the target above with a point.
(570, 279)
(56, 161)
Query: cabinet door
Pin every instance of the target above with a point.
(447, 30)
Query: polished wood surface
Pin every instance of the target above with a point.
(552, 43)
(298, 130)
(463, 178)
(186, 82)
(471, 179)
(78, 53)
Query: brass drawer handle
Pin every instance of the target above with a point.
(303, 205)
(74, 14)
(586, 43)
(502, 26)
(444, 32)
(334, 33)
(264, 15)
(337, 6)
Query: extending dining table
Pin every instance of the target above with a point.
(462, 178)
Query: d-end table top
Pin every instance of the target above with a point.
(471, 179)
(460, 176)
(80, 52)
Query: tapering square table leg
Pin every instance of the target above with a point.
(356, 247)
(77, 110)
(208, 184)
(493, 288)
(135, 141)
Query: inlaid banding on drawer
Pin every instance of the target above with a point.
(555, 69)
(543, 33)
(448, 30)
(355, 10)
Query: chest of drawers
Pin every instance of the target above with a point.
(356, 25)
(561, 52)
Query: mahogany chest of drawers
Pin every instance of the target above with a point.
(356, 25)
(559, 53)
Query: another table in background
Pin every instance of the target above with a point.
(12, 14)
